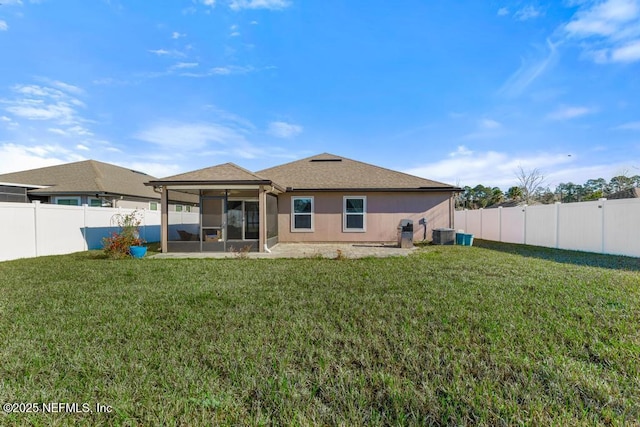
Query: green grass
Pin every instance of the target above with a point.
(492, 334)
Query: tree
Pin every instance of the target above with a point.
(529, 181)
(497, 196)
(514, 193)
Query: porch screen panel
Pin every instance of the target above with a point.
(272, 216)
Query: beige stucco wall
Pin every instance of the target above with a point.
(384, 212)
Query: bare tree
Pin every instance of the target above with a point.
(529, 181)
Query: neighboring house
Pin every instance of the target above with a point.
(629, 193)
(324, 198)
(87, 182)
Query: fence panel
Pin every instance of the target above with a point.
(18, 236)
(541, 225)
(622, 227)
(513, 225)
(474, 223)
(60, 229)
(580, 226)
(490, 224)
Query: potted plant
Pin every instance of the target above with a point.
(126, 241)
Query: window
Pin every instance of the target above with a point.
(153, 206)
(302, 214)
(95, 203)
(69, 201)
(178, 208)
(354, 213)
(188, 208)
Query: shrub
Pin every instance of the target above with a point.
(118, 243)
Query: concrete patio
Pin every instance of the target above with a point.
(304, 250)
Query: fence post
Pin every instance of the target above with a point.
(500, 223)
(557, 204)
(466, 214)
(85, 245)
(144, 224)
(524, 232)
(36, 211)
(481, 215)
(601, 206)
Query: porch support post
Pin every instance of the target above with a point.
(164, 219)
(262, 218)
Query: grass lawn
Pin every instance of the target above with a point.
(492, 334)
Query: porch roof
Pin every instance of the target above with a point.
(226, 174)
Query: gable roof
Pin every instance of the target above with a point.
(88, 176)
(226, 173)
(330, 172)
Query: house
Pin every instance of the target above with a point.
(629, 193)
(86, 182)
(323, 198)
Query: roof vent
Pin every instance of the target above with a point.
(325, 160)
(141, 173)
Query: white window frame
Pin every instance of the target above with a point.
(93, 198)
(179, 208)
(55, 200)
(157, 206)
(293, 215)
(344, 215)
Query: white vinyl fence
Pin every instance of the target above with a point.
(34, 229)
(603, 226)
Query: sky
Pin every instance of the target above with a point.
(462, 92)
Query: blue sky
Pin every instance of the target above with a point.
(462, 92)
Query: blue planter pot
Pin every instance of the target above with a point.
(138, 251)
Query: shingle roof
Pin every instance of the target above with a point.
(629, 193)
(88, 176)
(226, 172)
(330, 172)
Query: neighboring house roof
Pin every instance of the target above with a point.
(227, 173)
(85, 177)
(330, 172)
(629, 193)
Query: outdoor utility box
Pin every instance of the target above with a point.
(405, 233)
(444, 236)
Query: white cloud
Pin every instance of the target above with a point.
(36, 110)
(527, 12)
(68, 87)
(3, 25)
(629, 126)
(627, 53)
(568, 112)
(529, 71)
(82, 147)
(159, 170)
(164, 52)
(210, 3)
(492, 168)
(17, 157)
(177, 35)
(489, 124)
(503, 11)
(259, 4)
(284, 129)
(609, 31)
(232, 69)
(183, 65)
(190, 136)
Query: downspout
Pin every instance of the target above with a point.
(266, 249)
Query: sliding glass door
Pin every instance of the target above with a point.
(243, 221)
